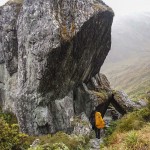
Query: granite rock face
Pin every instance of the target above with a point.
(51, 50)
(8, 37)
(8, 54)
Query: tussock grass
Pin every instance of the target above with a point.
(131, 132)
(131, 140)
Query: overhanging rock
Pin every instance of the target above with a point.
(61, 45)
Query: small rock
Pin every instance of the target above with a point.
(142, 103)
(35, 143)
(95, 144)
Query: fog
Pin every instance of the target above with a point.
(123, 7)
(2, 2)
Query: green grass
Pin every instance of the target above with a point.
(131, 139)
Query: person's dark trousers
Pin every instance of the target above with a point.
(97, 132)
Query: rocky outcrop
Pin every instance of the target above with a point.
(9, 41)
(51, 50)
(122, 103)
(8, 54)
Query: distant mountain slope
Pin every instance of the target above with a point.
(128, 63)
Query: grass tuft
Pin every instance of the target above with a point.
(131, 132)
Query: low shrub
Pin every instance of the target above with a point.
(11, 138)
(72, 142)
(56, 146)
(131, 139)
(9, 118)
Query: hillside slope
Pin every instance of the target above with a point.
(130, 70)
(132, 76)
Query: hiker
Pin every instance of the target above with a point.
(97, 122)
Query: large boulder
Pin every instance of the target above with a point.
(50, 49)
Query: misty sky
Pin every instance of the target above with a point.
(122, 7)
(3, 2)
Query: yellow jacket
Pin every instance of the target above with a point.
(99, 122)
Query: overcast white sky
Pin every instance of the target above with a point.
(128, 6)
(3, 2)
(122, 6)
